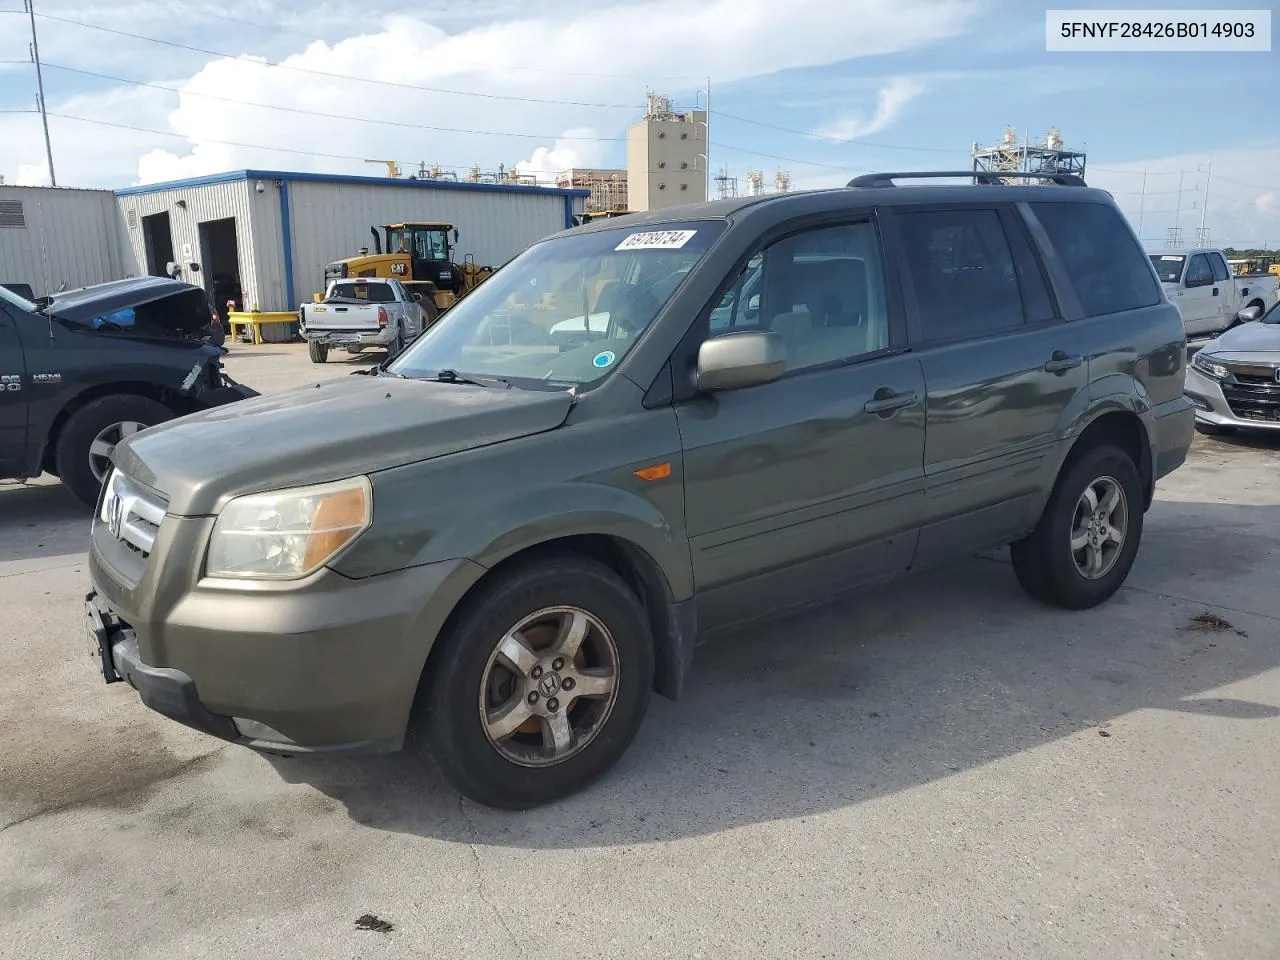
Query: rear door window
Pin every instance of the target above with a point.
(1108, 269)
(962, 273)
(1219, 266)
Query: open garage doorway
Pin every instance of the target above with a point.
(220, 263)
(157, 236)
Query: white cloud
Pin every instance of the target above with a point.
(1238, 212)
(892, 98)
(564, 155)
(634, 41)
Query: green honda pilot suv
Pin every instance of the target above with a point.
(636, 434)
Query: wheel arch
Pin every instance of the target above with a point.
(671, 622)
(1123, 426)
(175, 401)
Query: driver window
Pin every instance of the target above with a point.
(1198, 270)
(822, 291)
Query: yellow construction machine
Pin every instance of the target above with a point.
(420, 255)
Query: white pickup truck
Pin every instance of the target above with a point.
(360, 313)
(1200, 283)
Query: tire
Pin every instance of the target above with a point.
(519, 770)
(317, 351)
(1044, 562)
(84, 445)
(396, 346)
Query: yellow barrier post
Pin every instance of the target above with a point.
(255, 320)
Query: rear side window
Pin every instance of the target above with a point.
(1104, 263)
(1220, 272)
(962, 273)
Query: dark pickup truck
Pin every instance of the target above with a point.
(83, 369)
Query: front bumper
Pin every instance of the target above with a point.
(1248, 406)
(325, 665)
(351, 338)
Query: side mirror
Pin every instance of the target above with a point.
(1249, 314)
(455, 234)
(739, 360)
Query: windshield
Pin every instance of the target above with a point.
(1272, 315)
(421, 243)
(565, 311)
(1168, 268)
(11, 298)
(370, 292)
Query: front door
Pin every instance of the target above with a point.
(14, 396)
(1198, 297)
(1000, 371)
(802, 488)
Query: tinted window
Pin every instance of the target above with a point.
(962, 273)
(372, 292)
(1106, 266)
(1220, 271)
(821, 291)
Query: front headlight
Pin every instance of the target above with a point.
(287, 534)
(1208, 366)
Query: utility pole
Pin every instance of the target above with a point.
(44, 116)
(1204, 209)
(1142, 202)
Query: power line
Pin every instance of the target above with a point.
(856, 141)
(245, 58)
(330, 116)
(474, 63)
(803, 163)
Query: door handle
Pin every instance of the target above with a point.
(1060, 362)
(1215, 291)
(895, 401)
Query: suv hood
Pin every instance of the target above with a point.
(171, 306)
(328, 431)
(1246, 341)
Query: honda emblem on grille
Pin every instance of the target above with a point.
(115, 515)
(1277, 374)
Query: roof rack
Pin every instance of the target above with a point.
(981, 176)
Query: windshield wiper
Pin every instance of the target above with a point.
(452, 376)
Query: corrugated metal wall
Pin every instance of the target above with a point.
(331, 220)
(215, 201)
(69, 237)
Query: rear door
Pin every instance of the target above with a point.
(802, 488)
(14, 393)
(1000, 370)
(1225, 299)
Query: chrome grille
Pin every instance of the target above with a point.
(131, 513)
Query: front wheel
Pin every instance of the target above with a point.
(540, 685)
(88, 439)
(1082, 549)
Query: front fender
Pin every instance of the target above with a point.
(489, 532)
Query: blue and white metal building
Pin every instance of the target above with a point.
(287, 226)
(267, 233)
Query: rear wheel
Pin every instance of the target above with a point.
(540, 685)
(1082, 549)
(88, 439)
(318, 352)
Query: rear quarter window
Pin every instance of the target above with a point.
(1108, 269)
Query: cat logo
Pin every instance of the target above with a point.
(400, 269)
(11, 382)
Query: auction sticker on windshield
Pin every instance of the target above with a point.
(657, 240)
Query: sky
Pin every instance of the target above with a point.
(143, 91)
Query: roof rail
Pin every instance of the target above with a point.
(981, 176)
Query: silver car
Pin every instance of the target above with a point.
(1234, 381)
